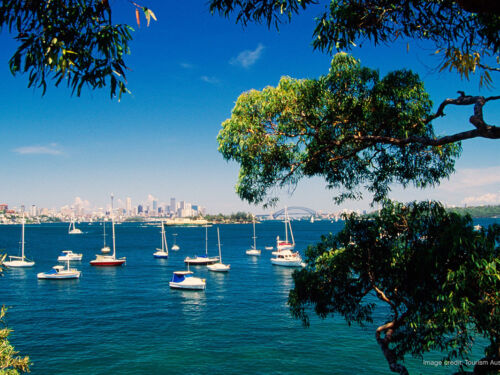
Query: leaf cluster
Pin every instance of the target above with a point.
(438, 277)
(70, 41)
(465, 32)
(271, 12)
(350, 127)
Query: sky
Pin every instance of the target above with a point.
(187, 70)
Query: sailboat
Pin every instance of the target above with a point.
(202, 259)
(16, 261)
(175, 247)
(72, 229)
(163, 252)
(219, 266)
(285, 245)
(109, 260)
(253, 250)
(105, 249)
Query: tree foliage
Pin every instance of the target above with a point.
(438, 277)
(464, 32)
(350, 127)
(73, 42)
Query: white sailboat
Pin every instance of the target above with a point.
(253, 251)
(105, 249)
(175, 247)
(219, 266)
(109, 260)
(163, 252)
(72, 229)
(285, 245)
(202, 259)
(16, 261)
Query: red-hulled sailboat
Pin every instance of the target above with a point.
(109, 260)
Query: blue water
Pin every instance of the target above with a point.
(127, 320)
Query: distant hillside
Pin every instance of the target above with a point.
(479, 211)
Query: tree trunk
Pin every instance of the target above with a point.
(394, 366)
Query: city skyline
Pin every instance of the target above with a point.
(188, 69)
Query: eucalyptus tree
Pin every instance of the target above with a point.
(436, 274)
(358, 131)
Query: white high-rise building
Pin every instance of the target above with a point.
(129, 206)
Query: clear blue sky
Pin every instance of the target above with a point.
(187, 71)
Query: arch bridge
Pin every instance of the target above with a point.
(294, 211)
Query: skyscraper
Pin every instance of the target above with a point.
(173, 207)
(129, 206)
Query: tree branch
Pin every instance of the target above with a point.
(487, 131)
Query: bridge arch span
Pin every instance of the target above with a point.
(294, 210)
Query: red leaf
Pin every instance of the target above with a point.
(137, 17)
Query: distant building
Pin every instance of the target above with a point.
(129, 206)
(140, 209)
(173, 205)
(4, 207)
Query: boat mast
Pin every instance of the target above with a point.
(254, 238)
(291, 233)
(286, 225)
(206, 240)
(164, 246)
(218, 241)
(113, 230)
(104, 228)
(22, 238)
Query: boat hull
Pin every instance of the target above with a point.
(18, 264)
(160, 255)
(253, 252)
(107, 263)
(185, 286)
(201, 262)
(219, 267)
(287, 263)
(45, 276)
(74, 258)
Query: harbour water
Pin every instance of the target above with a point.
(127, 320)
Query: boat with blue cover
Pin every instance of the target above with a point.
(60, 273)
(186, 280)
